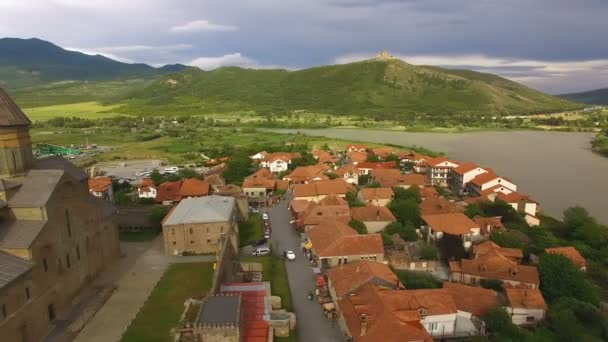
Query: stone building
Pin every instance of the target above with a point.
(196, 225)
(54, 236)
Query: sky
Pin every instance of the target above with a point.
(555, 46)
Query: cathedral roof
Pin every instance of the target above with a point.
(10, 113)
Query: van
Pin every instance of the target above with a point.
(261, 251)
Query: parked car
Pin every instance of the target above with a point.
(172, 169)
(260, 242)
(261, 251)
(267, 234)
(290, 255)
(265, 216)
(254, 210)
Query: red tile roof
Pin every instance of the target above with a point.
(466, 167)
(434, 162)
(300, 206)
(324, 156)
(570, 253)
(394, 177)
(349, 277)
(484, 178)
(489, 224)
(262, 178)
(100, 183)
(193, 187)
(453, 223)
(324, 187)
(147, 183)
(475, 300)
(369, 194)
(379, 165)
(515, 197)
(438, 205)
(357, 157)
(169, 191)
(525, 298)
(495, 265)
(383, 152)
(487, 246)
(316, 214)
(356, 146)
(333, 199)
(284, 156)
(308, 173)
(372, 213)
(335, 238)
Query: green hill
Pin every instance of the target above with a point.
(597, 96)
(27, 62)
(379, 88)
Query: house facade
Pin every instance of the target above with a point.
(455, 224)
(375, 218)
(316, 191)
(439, 169)
(379, 197)
(526, 306)
(196, 225)
(460, 176)
(486, 181)
(146, 189)
(101, 187)
(279, 161)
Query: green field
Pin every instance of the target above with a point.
(250, 230)
(84, 110)
(163, 308)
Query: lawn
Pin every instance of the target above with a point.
(163, 308)
(145, 235)
(250, 230)
(84, 110)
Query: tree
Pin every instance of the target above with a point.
(238, 167)
(498, 322)
(363, 179)
(492, 284)
(473, 210)
(156, 177)
(412, 192)
(331, 175)
(373, 185)
(418, 280)
(405, 211)
(560, 278)
(358, 226)
(429, 252)
(406, 231)
(157, 214)
(353, 200)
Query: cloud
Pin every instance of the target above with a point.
(202, 26)
(542, 74)
(102, 53)
(232, 59)
(136, 48)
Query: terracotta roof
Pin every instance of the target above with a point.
(435, 301)
(10, 113)
(394, 177)
(380, 165)
(335, 238)
(332, 199)
(308, 173)
(495, 265)
(428, 192)
(515, 197)
(193, 187)
(324, 187)
(169, 191)
(341, 171)
(229, 190)
(489, 224)
(475, 300)
(484, 178)
(382, 323)
(464, 168)
(316, 214)
(357, 157)
(99, 183)
(323, 156)
(383, 152)
(262, 178)
(570, 253)
(525, 298)
(147, 183)
(495, 190)
(300, 206)
(453, 223)
(349, 277)
(433, 162)
(284, 156)
(372, 213)
(486, 246)
(377, 193)
(356, 146)
(282, 184)
(438, 205)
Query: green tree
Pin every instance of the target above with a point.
(238, 167)
(358, 226)
(157, 214)
(412, 192)
(405, 211)
(156, 177)
(363, 179)
(418, 280)
(473, 210)
(492, 284)
(498, 322)
(353, 200)
(331, 175)
(560, 278)
(373, 185)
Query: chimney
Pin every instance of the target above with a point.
(363, 321)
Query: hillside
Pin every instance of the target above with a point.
(379, 88)
(27, 62)
(597, 96)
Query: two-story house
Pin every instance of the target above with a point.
(439, 169)
(461, 175)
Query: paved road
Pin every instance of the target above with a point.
(312, 324)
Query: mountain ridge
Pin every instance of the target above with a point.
(592, 97)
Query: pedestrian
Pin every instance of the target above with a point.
(310, 295)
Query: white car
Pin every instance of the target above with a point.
(265, 216)
(173, 169)
(290, 255)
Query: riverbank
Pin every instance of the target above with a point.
(557, 169)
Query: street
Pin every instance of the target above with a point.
(312, 324)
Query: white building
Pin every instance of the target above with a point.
(526, 306)
(460, 176)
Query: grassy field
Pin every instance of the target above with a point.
(250, 230)
(84, 110)
(163, 308)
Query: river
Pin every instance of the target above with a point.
(557, 169)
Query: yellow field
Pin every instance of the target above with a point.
(85, 110)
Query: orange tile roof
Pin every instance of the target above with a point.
(332, 199)
(438, 205)
(357, 157)
(486, 246)
(475, 300)
(356, 146)
(300, 206)
(335, 238)
(377, 193)
(372, 213)
(316, 214)
(193, 187)
(435, 301)
(383, 323)
(433, 162)
(323, 156)
(570, 253)
(525, 298)
(341, 171)
(495, 265)
(489, 224)
(282, 184)
(324, 187)
(100, 183)
(262, 178)
(383, 152)
(394, 177)
(284, 156)
(308, 173)
(169, 191)
(147, 183)
(453, 223)
(515, 197)
(484, 178)
(349, 277)
(464, 168)
(379, 165)
(428, 192)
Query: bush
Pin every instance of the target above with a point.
(405, 211)
(429, 252)
(353, 200)
(418, 280)
(492, 284)
(157, 214)
(560, 278)
(358, 226)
